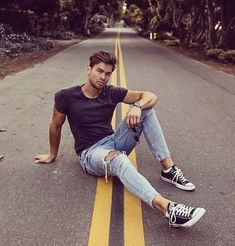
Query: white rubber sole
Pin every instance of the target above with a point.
(199, 213)
(182, 187)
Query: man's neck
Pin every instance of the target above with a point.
(90, 91)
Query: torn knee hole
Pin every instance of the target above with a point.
(107, 159)
(111, 155)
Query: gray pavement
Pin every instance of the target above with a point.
(53, 204)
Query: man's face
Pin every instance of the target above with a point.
(99, 75)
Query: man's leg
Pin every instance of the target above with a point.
(126, 139)
(104, 159)
(178, 215)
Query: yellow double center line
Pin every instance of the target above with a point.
(133, 222)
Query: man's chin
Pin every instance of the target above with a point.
(99, 86)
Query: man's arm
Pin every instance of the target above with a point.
(55, 128)
(144, 98)
(140, 100)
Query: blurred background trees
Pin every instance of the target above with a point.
(205, 23)
(202, 24)
(47, 17)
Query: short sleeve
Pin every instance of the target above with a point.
(60, 103)
(118, 94)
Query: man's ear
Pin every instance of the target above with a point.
(88, 69)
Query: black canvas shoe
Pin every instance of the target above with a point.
(176, 177)
(180, 215)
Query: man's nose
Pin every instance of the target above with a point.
(102, 76)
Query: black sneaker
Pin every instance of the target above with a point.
(180, 215)
(176, 177)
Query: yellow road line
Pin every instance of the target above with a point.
(133, 221)
(100, 225)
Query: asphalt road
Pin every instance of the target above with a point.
(53, 204)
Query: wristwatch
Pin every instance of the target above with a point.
(137, 104)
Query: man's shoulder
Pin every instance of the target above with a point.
(68, 91)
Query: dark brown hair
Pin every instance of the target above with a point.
(103, 56)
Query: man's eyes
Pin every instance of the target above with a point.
(107, 74)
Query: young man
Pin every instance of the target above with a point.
(102, 152)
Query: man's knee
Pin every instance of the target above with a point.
(112, 154)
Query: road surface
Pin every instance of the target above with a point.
(53, 204)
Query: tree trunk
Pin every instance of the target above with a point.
(227, 19)
(211, 22)
(198, 28)
(177, 14)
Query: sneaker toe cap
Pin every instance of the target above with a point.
(190, 185)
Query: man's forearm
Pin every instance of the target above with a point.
(147, 100)
(54, 137)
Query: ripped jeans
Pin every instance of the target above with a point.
(125, 140)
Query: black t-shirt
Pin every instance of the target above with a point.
(89, 119)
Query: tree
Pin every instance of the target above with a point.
(7, 3)
(40, 6)
(227, 15)
(211, 23)
(208, 23)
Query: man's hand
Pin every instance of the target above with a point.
(44, 159)
(133, 117)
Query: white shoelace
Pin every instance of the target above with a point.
(179, 210)
(179, 176)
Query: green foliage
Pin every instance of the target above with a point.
(39, 6)
(143, 4)
(230, 56)
(227, 56)
(175, 42)
(214, 53)
(221, 55)
(45, 16)
(208, 23)
(134, 15)
(8, 4)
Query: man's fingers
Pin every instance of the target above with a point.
(38, 156)
(131, 121)
(128, 121)
(39, 160)
(137, 120)
(42, 161)
(134, 121)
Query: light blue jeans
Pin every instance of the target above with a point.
(124, 140)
